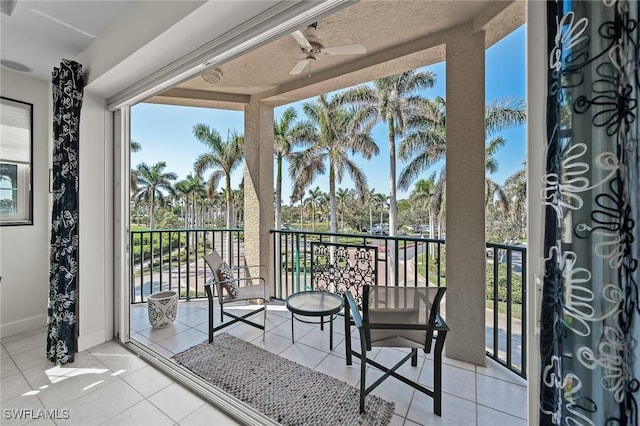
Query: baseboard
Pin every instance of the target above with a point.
(23, 325)
(92, 339)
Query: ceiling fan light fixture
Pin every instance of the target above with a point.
(212, 76)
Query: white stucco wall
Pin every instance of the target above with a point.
(24, 250)
(536, 144)
(96, 223)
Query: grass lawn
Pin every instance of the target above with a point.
(516, 309)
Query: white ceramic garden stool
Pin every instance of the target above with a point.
(163, 307)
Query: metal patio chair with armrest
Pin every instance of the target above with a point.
(399, 317)
(229, 289)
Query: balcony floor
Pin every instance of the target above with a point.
(489, 395)
(108, 384)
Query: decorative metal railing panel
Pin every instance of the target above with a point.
(339, 267)
(402, 261)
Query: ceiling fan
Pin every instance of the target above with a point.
(312, 47)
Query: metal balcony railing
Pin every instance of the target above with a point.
(506, 295)
(173, 260)
(403, 261)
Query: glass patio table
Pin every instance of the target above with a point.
(315, 304)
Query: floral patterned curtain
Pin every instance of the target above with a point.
(590, 306)
(68, 85)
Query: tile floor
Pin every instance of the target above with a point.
(108, 384)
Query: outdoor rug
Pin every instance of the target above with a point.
(287, 392)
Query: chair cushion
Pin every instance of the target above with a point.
(225, 274)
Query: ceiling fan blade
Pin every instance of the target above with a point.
(299, 67)
(301, 39)
(347, 49)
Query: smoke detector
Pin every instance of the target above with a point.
(212, 76)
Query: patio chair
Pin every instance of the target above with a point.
(231, 289)
(399, 317)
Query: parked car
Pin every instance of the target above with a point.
(379, 229)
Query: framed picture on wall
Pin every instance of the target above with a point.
(16, 162)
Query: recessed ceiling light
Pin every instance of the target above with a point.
(16, 66)
(212, 76)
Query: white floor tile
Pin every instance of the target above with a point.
(490, 417)
(112, 382)
(122, 364)
(33, 341)
(176, 402)
(455, 411)
(272, 342)
(7, 367)
(101, 405)
(304, 355)
(21, 410)
(336, 367)
(32, 358)
(183, 340)
(67, 384)
(13, 385)
(208, 415)
(142, 414)
(147, 380)
(157, 334)
(194, 318)
(391, 390)
(502, 396)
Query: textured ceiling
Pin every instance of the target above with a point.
(398, 35)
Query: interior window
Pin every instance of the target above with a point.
(15, 162)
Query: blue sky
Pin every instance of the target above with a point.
(165, 131)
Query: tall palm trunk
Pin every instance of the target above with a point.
(370, 215)
(278, 192)
(153, 204)
(230, 218)
(333, 209)
(393, 208)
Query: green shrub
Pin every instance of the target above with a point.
(516, 284)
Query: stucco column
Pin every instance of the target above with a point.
(258, 186)
(465, 160)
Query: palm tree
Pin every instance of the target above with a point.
(134, 146)
(341, 196)
(193, 189)
(516, 189)
(368, 198)
(287, 135)
(315, 195)
(299, 197)
(391, 100)
(223, 157)
(151, 181)
(422, 195)
(381, 200)
(336, 139)
(425, 141)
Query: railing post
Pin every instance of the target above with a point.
(188, 260)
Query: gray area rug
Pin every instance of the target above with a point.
(287, 392)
